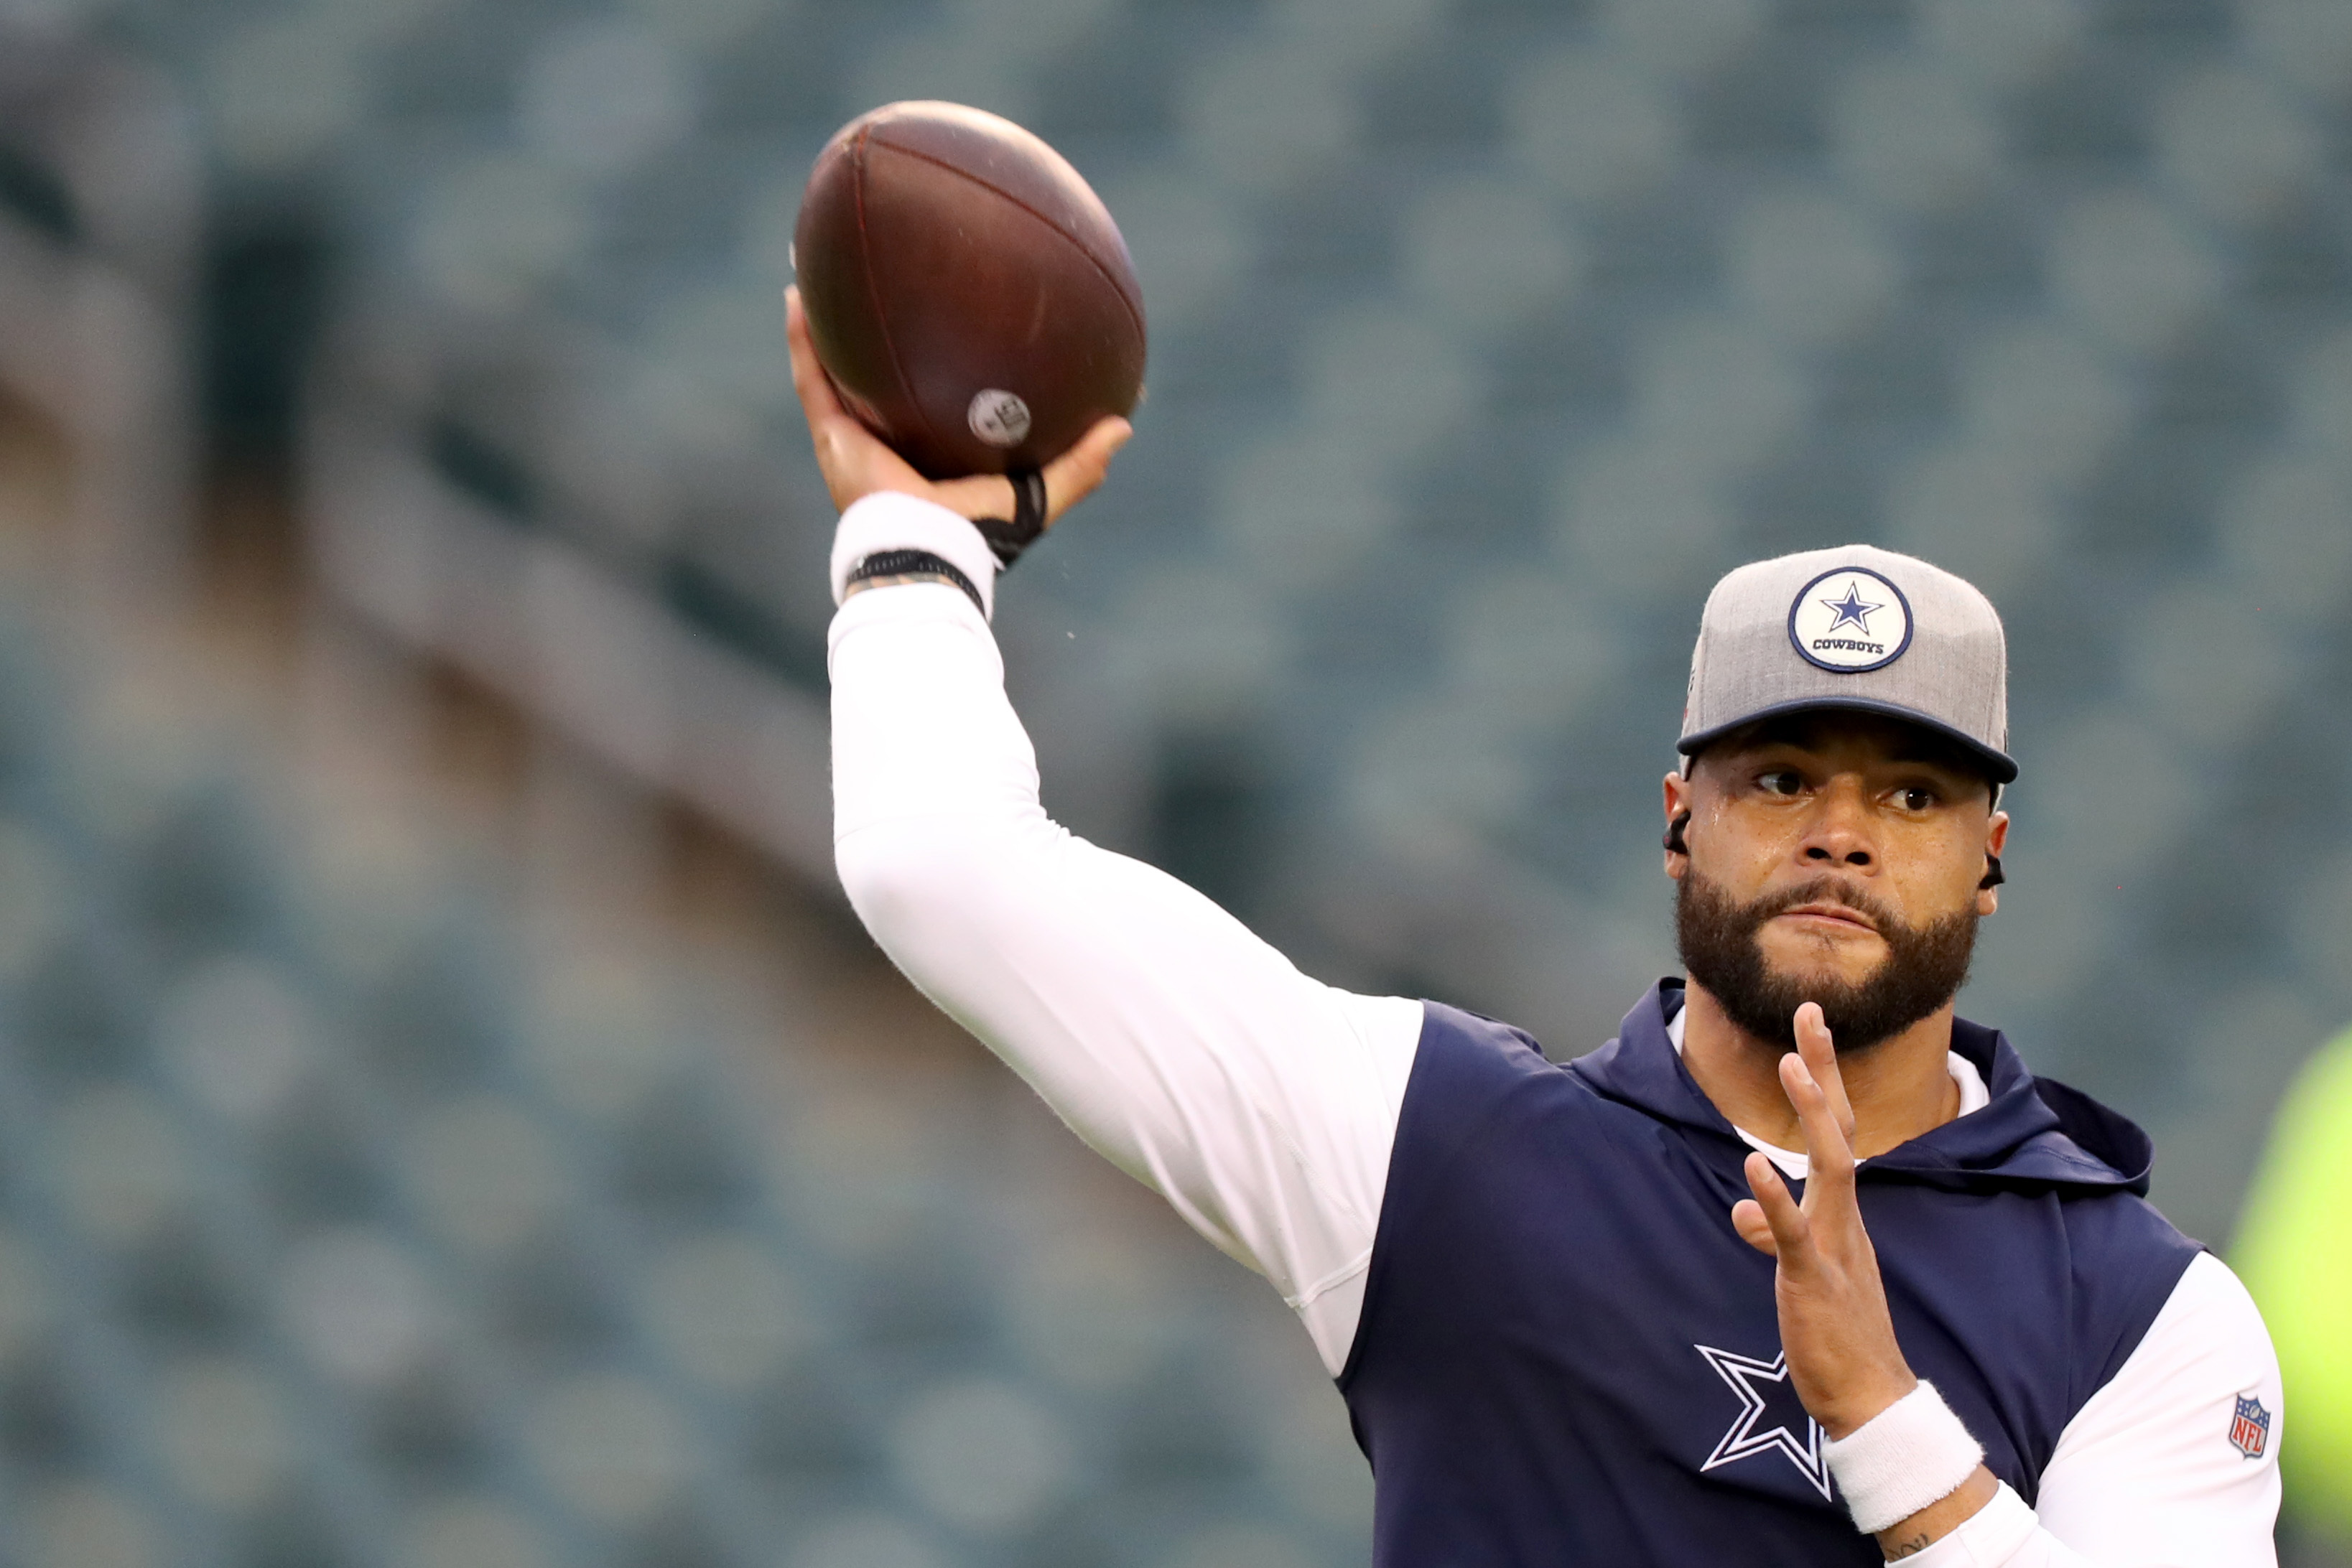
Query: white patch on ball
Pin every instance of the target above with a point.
(998, 417)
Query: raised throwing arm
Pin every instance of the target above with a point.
(1260, 1103)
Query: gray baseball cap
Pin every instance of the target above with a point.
(1857, 628)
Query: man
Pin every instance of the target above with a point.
(1582, 1314)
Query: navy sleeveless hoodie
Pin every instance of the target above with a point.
(1568, 1357)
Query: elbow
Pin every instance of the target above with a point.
(903, 876)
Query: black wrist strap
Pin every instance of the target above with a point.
(1009, 539)
(914, 563)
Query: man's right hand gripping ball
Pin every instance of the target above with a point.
(856, 463)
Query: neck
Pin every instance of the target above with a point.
(1899, 1088)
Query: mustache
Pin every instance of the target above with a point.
(1823, 889)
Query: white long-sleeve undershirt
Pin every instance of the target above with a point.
(1263, 1103)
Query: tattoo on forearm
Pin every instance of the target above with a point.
(1914, 1545)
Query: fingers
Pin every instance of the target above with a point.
(1077, 472)
(855, 461)
(1771, 1221)
(835, 445)
(1820, 1053)
(1826, 1144)
(809, 380)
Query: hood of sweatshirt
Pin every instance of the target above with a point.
(2034, 1133)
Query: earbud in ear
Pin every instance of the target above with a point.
(1674, 844)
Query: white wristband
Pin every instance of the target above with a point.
(1911, 1454)
(889, 520)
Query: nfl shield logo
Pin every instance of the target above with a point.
(2249, 1428)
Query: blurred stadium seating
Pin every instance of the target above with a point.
(368, 1199)
(1485, 334)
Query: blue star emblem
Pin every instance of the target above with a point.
(1766, 1397)
(1851, 611)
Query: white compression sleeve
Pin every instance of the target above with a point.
(1262, 1104)
(2146, 1475)
(2003, 1533)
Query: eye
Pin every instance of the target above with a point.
(1916, 798)
(1781, 781)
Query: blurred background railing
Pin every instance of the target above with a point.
(446, 1117)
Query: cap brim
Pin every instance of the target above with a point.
(1997, 763)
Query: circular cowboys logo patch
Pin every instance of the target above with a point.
(1851, 620)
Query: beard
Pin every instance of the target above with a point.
(1924, 968)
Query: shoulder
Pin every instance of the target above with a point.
(1469, 1064)
(1468, 1068)
(2212, 1307)
(2180, 1447)
(2115, 1229)
(1474, 1040)
(2205, 1345)
(2208, 1334)
(1482, 1086)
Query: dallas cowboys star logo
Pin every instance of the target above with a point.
(1851, 611)
(1762, 1385)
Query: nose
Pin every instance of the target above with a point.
(1839, 834)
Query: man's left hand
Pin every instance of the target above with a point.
(1835, 1325)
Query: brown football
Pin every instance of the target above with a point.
(966, 289)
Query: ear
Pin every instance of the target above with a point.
(1996, 839)
(1678, 798)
